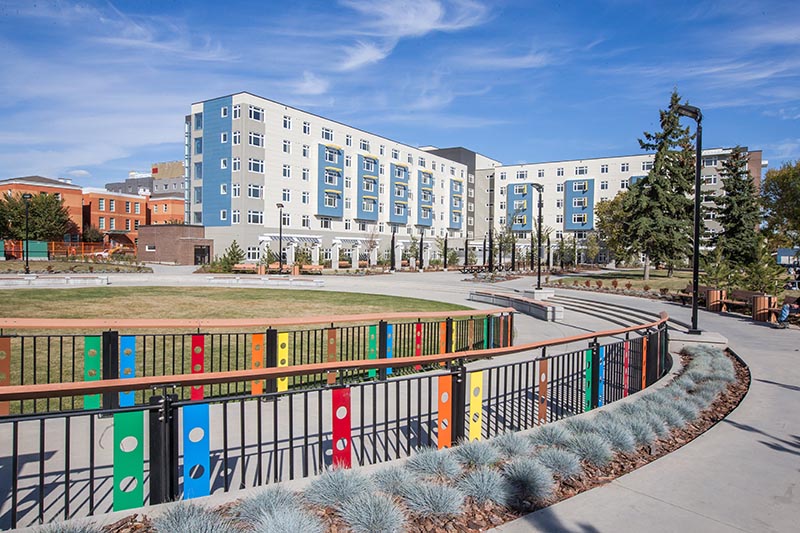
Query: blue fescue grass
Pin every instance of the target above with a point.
(555, 434)
(430, 499)
(592, 448)
(67, 527)
(476, 453)
(486, 484)
(286, 521)
(433, 463)
(511, 445)
(529, 481)
(369, 513)
(268, 500)
(395, 480)
(562, 463)
(670, 415)
(615, 432)
(578, 424)
(687, 409)
(336, 486)
(192, 518)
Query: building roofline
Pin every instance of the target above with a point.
(40, 181)
(708, 151)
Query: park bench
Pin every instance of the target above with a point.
(740, 299)
(774, 311)
(685, 294)
(245, 268)
(311, 269)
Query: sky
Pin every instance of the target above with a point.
(91, 90)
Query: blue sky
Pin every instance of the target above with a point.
(93, 89)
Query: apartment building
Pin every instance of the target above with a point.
(116, 215)
(71, 195)
(255, 167)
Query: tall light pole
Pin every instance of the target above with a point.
(445, 250)
(695, 114)
(280, 237)
(394, 232)
(491, 222)
(539, 188)
(27, 197)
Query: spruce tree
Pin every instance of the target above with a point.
(738, 211)
(659, 205)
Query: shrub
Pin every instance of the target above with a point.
(628, 285)
(529, 481)
(563, 463)
(373, 512)
(336, 486)
(646, 287)
(614, 283)
(641, 429)
(577, 424)
(394, 480)
(287, 521)
(657, 424)
(669, 414)
(555, 434)
(434, 463)
(588, 283)
(430, 499)
(71, 528)
(192, 518)
(268, 500)
(599, 283)
(485, 484)
(511, 445)
(476, 453)
(616, 433)
(687, 409)
(591, 448)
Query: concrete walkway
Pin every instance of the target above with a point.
(742, 475)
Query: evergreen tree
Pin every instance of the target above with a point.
(659, 206)
(738, 211)
(764, 274)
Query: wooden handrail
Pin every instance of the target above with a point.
(141, 323)
(29, 392)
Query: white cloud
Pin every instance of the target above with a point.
(79, 173)
(311, 84)
(363, 53)
(415, 18)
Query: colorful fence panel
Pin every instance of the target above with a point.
(342, 443)
(445, 434)
(283, 360)
(91, 368)
(196, 451)
(5, 370)
(257, 361)
(128, 460)
(475, 405)
(198, 363)
(127, 366)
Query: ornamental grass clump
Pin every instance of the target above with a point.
(287, 520)
(555, 434)
(669, 414)
(430, 499)
(476, 453)
(395, 480)
(687, 409)
(433, 463)
(265, 501)
(485, 484)
(616, 433)
(592, 448)
(373, 512)
(71, 528)
(578, 424)
(336, 486)
(641, 429)
(529, 481)
(511, 445)
(192, 518)
(562, 463)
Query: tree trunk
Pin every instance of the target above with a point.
(646, 268)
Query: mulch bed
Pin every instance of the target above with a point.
(476, 518)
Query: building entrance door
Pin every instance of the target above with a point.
(202, 255)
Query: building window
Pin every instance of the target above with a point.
(579, 218)
(603, 185)
(410, 159)
(364, 145)
(287, 122)
(287, 147)
(502, 176)
(236, 217)
(253, 253)
(710, 180)
(624, 167)
(647, 165)
(112, 223)
(426, 179)
(255, 217)
(369, 185)
(579, 202)
(347, 182)
(236, 190)
(540, 173)
(223, 214)
(112, 205)
(254, 190)
(223, 111)
(287, 171)
(198, 171)
(623, 184)
(522, 174)
(305, 174)
(331, 177)
(399, 173)
(306, 149)
(381, 149)
(198, 121)
(256, 113)
(347, 224)
(255, 165)
(331, 200)
(198, 195)
(368, 206)
(399, 190)
(369, 165)
(223, 163)
(256, 139)
(425, 196)
(286, 195)
(559, 203)
(237, 111)
(127, 207)
(581, 171)
(327, 134)
(305, 197)
(137, 209)
(400, 210)
(286, 219)
(136, 224)
(395, 153)
(331, 156)
(381, 169)
(223, 137)
(347, 203)
(197, 216)
(101, 223)
(307, 128)
(237, 164)
(603, 169)
(237, 138)
(421, 162)
(223, 188)
(560, 171)
(559, 219)
(325, 223)
(579, 186)
(519, 189)
(347, 160)
(198, 145)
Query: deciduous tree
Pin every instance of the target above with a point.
(780, 197)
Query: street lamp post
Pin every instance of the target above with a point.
(491, 222)
(445, 251)
(27, 197)
(394, 232)
(280, 237)
(695, 114)
(539, 188)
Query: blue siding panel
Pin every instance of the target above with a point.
(425, 206)
(367, 188)
(398, 178)
(456, 204)
(323, 188)
(213, 151)
(570, 194)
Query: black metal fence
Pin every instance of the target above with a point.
(78, 463)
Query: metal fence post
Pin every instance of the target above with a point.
(163, 423)
(382, 339)
(110, 362)
(449, 336)
(510, 330)
(271, 358)
(459, 401)
(593, 376)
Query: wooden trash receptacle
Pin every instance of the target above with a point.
(714, 299)
(761, 305)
